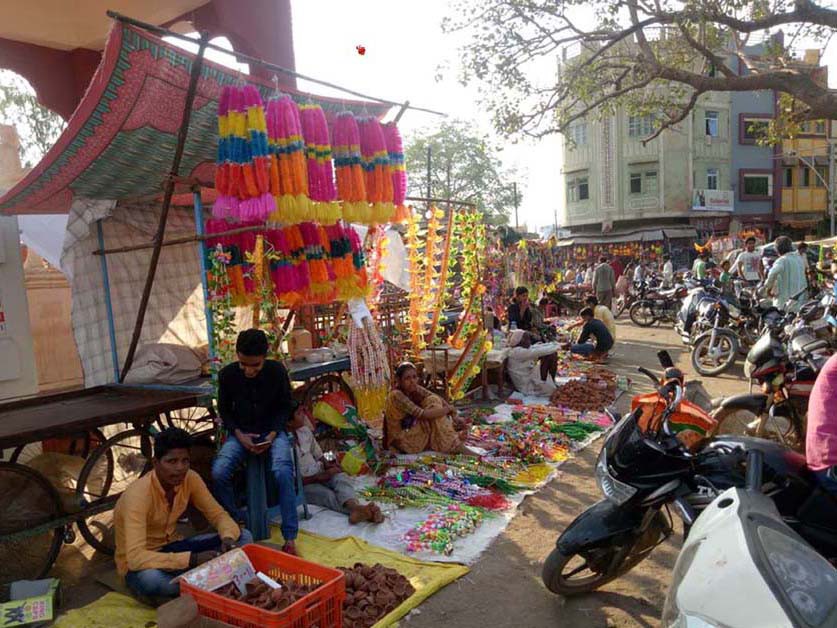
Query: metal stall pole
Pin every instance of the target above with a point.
(200, 231)
(108, 304)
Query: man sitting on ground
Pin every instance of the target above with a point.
(532, 367)
(148, 553)
(598, 330)
(324, 482)
(600, 312)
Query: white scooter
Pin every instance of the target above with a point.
(742, 567)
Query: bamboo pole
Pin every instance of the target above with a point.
(182, 134)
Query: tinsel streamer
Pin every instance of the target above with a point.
(351, 184)
(324, 206)
(395, 148)
(493, 501)
(437, 278)
(416, 262)
(376, 169)
(287, 147)
(242, 172)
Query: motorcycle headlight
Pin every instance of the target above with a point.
(614, 490)
(807, 579)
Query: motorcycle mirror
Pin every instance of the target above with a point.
(665, 359)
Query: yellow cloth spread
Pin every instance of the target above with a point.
(427, 578)
(115, 610)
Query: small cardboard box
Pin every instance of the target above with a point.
(31, 603)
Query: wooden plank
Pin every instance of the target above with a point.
(70, 413)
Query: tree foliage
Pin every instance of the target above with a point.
(646, 56)
(465, 166)
(37, 127)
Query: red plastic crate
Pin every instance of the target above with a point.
(321, 609)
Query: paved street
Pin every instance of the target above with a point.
(504, 588)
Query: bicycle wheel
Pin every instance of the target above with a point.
(321, 386)
(29, 501)
(195, 420)
(109, 470)
(80, 445)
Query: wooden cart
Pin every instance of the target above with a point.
(104, 434)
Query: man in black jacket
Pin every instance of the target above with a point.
(254, 401)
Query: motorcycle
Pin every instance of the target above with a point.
(763, 560)
(657, 306)
(784, 362)
(642, 472)
(725, 327)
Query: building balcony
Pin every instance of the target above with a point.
(804, 200)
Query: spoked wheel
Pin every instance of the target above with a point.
(28, 501)
(80, 445)
(642, 314)
(736, 422)
(109, 470)
(710, 360)
(195, 420)
(321, 386)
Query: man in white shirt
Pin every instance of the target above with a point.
(748, 264)
(668, 271)
(532, 367)
(324, 483)
(639, 273)
(786, 278)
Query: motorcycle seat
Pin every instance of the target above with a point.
(667, 292)
(754, 403)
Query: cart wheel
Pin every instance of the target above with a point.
(81, 446)
(195, 420)
(109, 470)
(29, 500)
(321, 386)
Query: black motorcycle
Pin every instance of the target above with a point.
(643, 473)
(655, 306)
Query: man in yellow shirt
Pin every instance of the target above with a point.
(149, 553)
(600, 312)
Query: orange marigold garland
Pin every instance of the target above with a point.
(324, 206)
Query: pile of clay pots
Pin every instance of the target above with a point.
(262, 596)
(371, 593)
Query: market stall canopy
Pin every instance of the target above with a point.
(118, 145)
(648, 235)
(673, 233)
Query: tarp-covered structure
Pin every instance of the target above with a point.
(109, 165)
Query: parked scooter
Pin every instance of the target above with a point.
(740, 549)
(642, 471)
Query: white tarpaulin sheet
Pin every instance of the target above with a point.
(44, 234)
(175, 309)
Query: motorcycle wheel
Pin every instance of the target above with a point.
(560, 571)
(642, 314)
(779, 429)
(736, 422)
(708, 366)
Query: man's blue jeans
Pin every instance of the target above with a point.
(158, 583)
(826, 482)
(585, 348)
(233, 455)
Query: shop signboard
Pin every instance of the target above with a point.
(712, 200)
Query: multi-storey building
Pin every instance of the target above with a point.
(711, 171)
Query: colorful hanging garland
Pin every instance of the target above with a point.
(376, 169)
(324, 206)
(348, 168)
(288, 152)
(395, 148)
(242, 173)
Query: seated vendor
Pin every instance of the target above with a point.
(148, 551)
(600, 312)
(324, 482)
(532, 367)
(596, 329)
(418, 420)
(520, 312)
(254, 402)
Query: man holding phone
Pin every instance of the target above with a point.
(254, 402)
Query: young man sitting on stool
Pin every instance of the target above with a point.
(148, 553)
(254, 401)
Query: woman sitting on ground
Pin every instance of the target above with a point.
(419, 420)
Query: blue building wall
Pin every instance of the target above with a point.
(751, 156)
